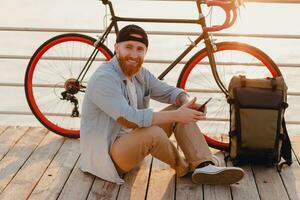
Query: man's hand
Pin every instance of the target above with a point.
(183, 98)
(188, 112)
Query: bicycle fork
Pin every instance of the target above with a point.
(212, 61)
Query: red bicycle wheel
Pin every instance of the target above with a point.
(232, 58)
(54, 67)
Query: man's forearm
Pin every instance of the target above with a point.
(163, 117)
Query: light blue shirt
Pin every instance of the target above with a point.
(106, 100)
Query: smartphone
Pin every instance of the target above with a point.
(201, 109)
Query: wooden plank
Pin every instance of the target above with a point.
(217, 192)
(78, 185)
(2, 129)
(295, 140)
(291, 175)
(16, 157)
(9, 138)
(246, 188)
(185, 188)
(22, 184)
(54, 178)
(134, 187)
(103, 190)
(269, 183)
(162, 181)
(136, 181)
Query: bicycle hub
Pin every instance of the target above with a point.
(72, 86)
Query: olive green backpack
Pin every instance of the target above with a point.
(257, 127)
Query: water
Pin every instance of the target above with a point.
(255, 18)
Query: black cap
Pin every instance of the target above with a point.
(125, 34)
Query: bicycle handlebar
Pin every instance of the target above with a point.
(228, 7)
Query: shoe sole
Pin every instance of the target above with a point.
(224, 177)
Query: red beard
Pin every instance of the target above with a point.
(130, 69)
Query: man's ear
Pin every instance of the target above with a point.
(116, 48)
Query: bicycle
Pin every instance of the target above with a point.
(56, 101)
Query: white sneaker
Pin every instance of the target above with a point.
(212, 175)
(216, 160)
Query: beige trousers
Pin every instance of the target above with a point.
(131, 148)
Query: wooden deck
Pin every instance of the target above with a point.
(37, 164)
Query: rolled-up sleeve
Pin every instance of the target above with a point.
(105, 91)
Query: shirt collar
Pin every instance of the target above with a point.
(118, 69)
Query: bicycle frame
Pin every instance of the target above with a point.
(203, 36)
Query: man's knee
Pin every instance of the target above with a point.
(183, 127)
(155, 133)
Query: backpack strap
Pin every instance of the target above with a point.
(286, 148)
(243, 80)
(273, 83)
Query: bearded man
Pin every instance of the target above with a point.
(118, 129)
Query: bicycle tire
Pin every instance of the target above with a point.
(199, 64)
(55, 62)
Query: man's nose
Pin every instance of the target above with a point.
(134, 54)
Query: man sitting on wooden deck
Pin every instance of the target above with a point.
(118, 130)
